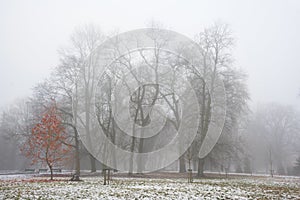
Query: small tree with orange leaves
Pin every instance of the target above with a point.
(47, 142)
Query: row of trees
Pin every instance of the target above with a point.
(74, 82)
(273, 136)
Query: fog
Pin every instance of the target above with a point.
(266, 48)
(267, 44)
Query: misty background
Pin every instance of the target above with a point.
(266, 32)
(266, 36)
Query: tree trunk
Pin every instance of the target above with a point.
(140, 161)
(93, 163)
(194, 164)
(108, 176)
(51, 172)
(182, 167)
(113, 141)
(201, 163)
(77, 156)
(132, 151)
(131, 156)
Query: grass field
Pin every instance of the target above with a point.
(150, 188)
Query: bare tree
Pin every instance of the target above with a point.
(16, 122)
(216, 43)
(277, 128)
(84, 41)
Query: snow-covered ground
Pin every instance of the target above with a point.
(141, 188)
(14, 177)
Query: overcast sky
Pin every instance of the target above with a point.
(267, 37)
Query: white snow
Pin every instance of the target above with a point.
(140, 188)
(14, 176)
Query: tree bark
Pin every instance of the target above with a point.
(182, 167)
(93, 163)
(104, 176)
(201, 163)
(51, 172)
(77, 156)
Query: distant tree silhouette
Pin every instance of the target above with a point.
(297, 167)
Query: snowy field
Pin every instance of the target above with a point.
(26, 187)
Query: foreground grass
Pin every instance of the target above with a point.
(140, 188)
